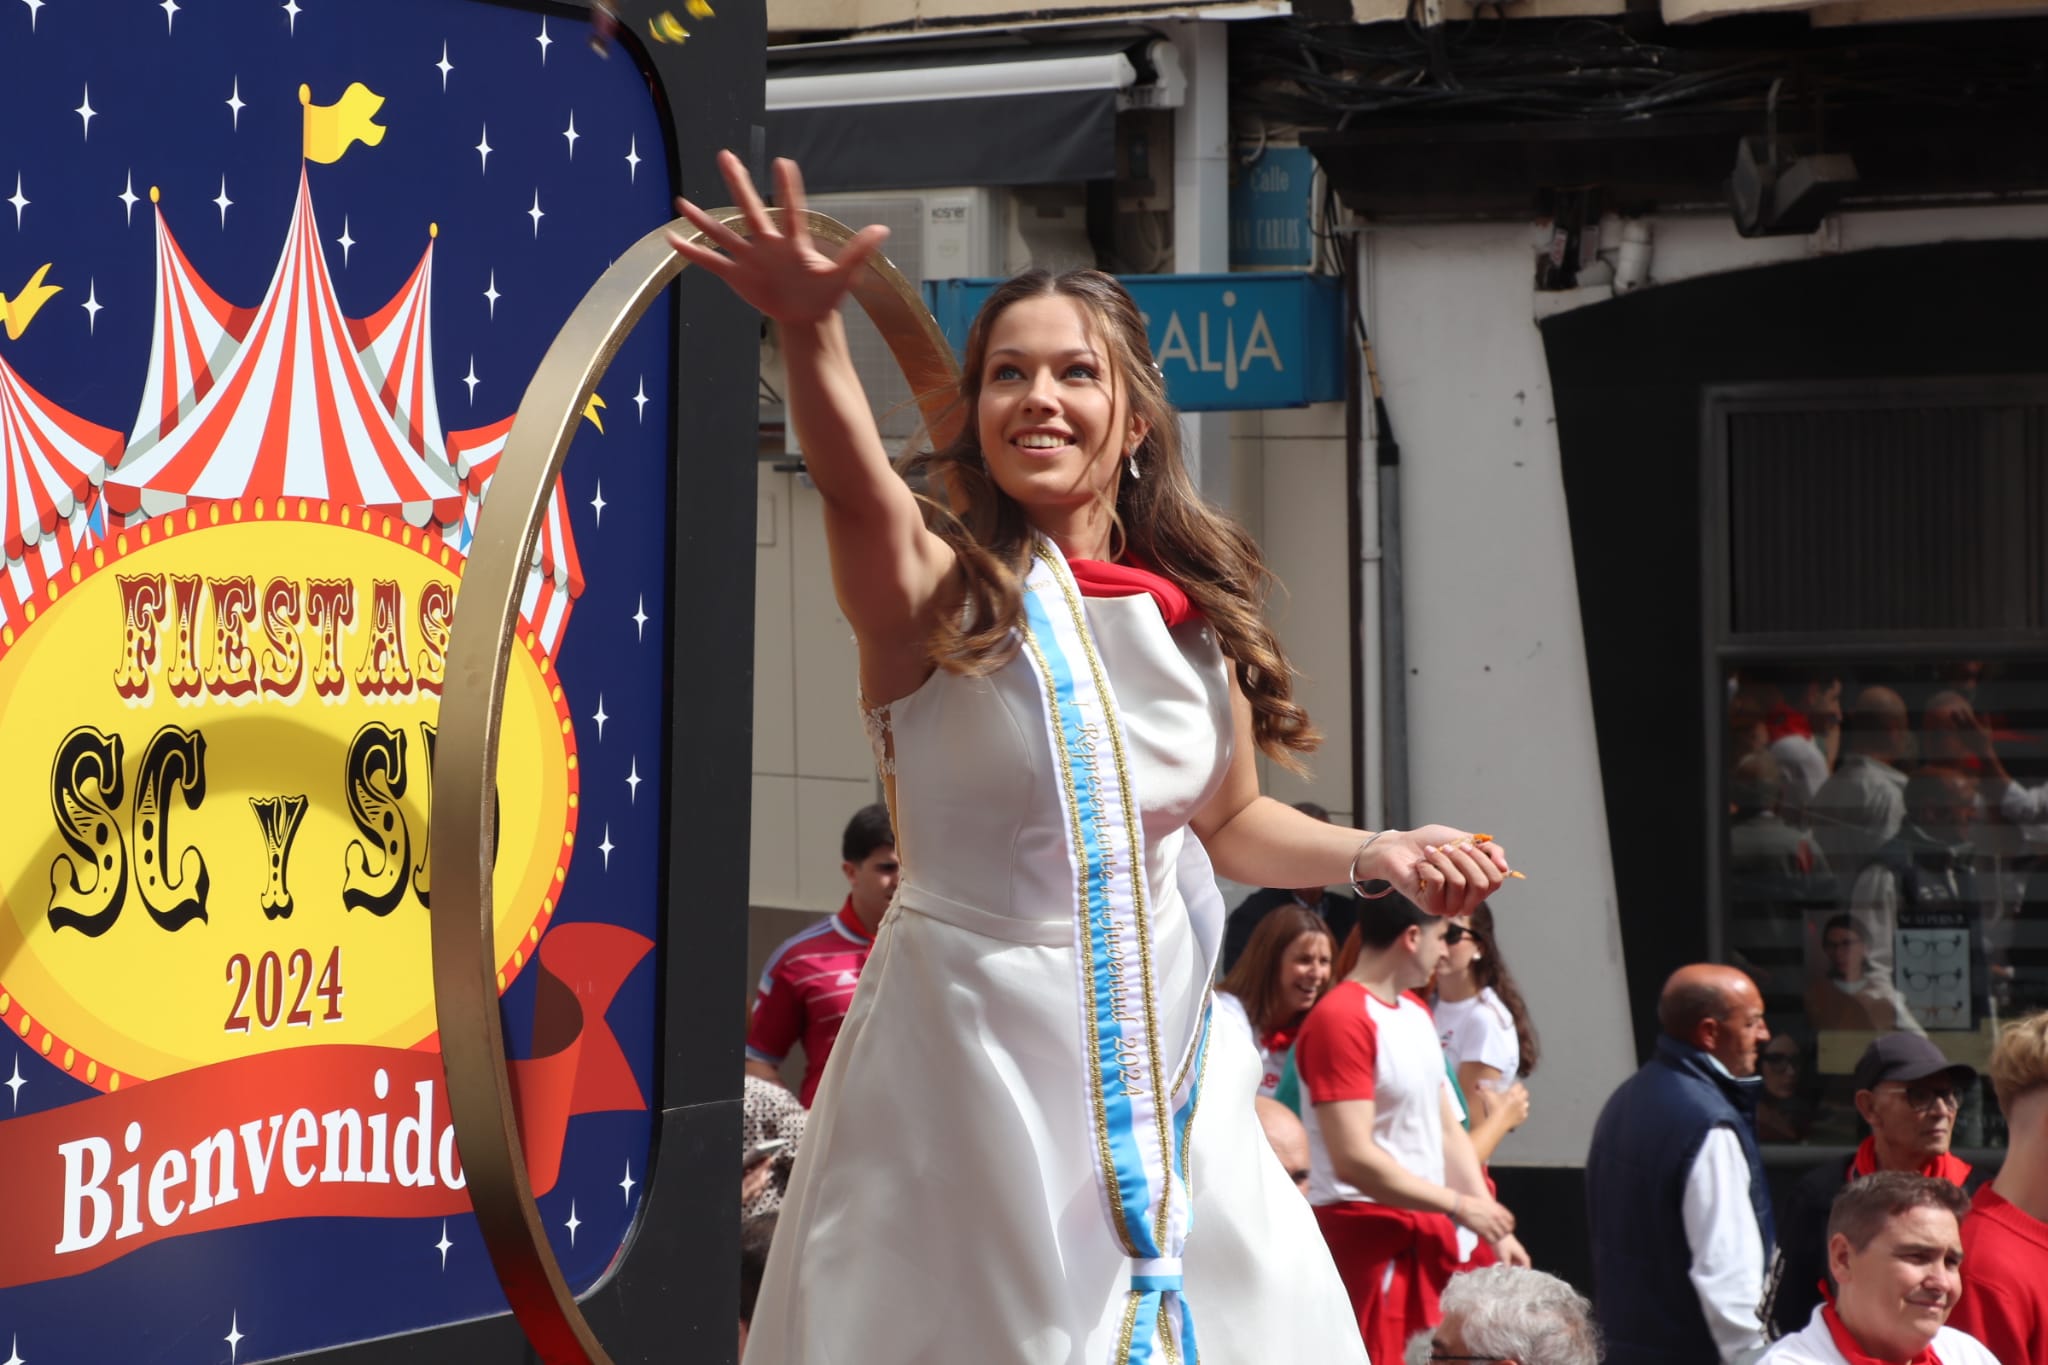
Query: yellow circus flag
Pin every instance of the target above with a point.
(332, 129)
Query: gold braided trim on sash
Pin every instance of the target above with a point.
(1130, 1327)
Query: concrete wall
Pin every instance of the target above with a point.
(812, 766)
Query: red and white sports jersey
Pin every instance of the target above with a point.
(806, 990)
(1355, 1046)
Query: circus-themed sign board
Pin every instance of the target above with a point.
(273, 279)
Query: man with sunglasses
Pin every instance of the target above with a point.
(1907, 1093)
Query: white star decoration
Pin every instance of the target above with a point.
(640, 398)
(444, 66)
(33, 6)
(129, 199)
(536, 212)
(85, 112)
(633, 159)
(606, 849)
(291, 9)
(492, 295)
(235, 1337)
(15, 1083)
(20, 200)
(224, 202)
(597, 503)
(170, 9)
(640, 616)
(571, 134)
(544, 40)
(236, 103)
(600, 717)
(483, 150)
(443, 1245)
(471, 380)
(628, 1183)
(633, 781)
(14, 1352)
(92, 306)
(344, 241)
(573, 1223)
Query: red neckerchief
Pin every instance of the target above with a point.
(1947, 1166)
(1781, 720)
(1095, 578)
(1280, 1039)
(852, 923)
(1855, 1354)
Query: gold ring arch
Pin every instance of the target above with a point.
(466, 766)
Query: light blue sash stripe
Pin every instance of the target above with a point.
(1134, 1187)
(1145, 1336)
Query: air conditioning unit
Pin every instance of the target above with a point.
(933, 235)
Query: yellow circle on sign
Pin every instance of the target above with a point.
(221, 745)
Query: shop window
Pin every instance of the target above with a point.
(1878, 615)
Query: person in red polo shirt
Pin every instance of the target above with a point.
(807, 986)
(2005, 1238)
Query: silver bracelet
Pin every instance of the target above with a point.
(1386, 888)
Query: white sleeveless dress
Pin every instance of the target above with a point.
(944, 1207)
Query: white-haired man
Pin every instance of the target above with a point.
(1510, 1315)
(1895, 1257)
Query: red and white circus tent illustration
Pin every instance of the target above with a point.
(291, 414)
(554, 578)
(51, 465)
(396, 346)
(195, 334)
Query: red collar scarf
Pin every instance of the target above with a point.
(1095, 578)
(1947, 1166)
(1282, 1038)
(1855, 1354)
(1781, 720)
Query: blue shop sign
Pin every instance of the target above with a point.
(1270, 209)
(1224, 342)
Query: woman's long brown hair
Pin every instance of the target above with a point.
(1159, 520)
(1255, 980)
(1492, 970)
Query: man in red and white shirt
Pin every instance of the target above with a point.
(1391, 1170)
(1895, 1255)
(807, 986)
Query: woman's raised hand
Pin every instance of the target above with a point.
(781, 272)
(1445, 871)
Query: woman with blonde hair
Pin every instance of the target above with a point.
(1284, 971)
(1066, 670)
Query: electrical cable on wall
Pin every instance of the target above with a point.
(1599, 70)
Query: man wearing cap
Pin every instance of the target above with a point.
(1908, 1094)
(2005, 1292)
(1895, 1255)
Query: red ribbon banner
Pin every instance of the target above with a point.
(336, 1131)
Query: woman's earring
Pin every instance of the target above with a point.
(1131, 462)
